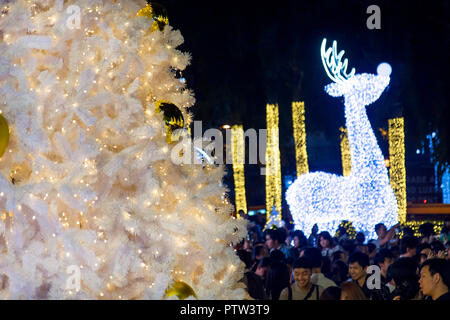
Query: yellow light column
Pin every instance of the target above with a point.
(273, 166)
(397, 164)
(238, 151)
(298, 121)
(345, 153)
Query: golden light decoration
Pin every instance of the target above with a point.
(348, 226)
(173, 118)
(298, 121)
(414, 225)
(4, 135)
(273, 166)
(238, 151)
(345, 153)
(156, 12)
(397, 170)
(181, 289)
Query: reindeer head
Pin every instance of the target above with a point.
(363, 89)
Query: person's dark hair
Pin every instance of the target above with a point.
(403, 268)
(326, 267)
(408, 231)
(426, 229)
(326, 235)
(339, 271)
(274, 235)
(349, 246)
(360, 238)
(436, 246)
(257, 251)
(277, 255)
(371, 247)
(314, 255)
(303, 263)
(361, 258)
(440, 266)
(382, 255)
(422, 246)
(331, 293)
(445, 229)
(408, 242)
(301, 237)
(378, 226)
(282, 235)
(336, 256)
(264, 262)
(245, 257)
(407, 288)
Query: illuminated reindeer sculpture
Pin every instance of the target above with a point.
(365, 197)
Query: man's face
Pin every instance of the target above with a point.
(381, 233)
(302, 277)
(411, 251)
(385, 265)
(427, 281)
(269, 242)
(356, 271)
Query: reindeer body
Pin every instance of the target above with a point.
(365, 197)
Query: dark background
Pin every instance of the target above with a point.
(249, 53)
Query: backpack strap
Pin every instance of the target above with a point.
(311, 292)
(289, 292)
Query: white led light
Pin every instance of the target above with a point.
(365, 197)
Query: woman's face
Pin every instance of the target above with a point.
(324, 243)
(296, 242)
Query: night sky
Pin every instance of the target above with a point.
(249, 53)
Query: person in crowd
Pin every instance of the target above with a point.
(255, 280)
(360, 238)
(358, 263)
(402, 268)
(352, 291)
(278, 275)
(245, 257)
(404, 273)
(338, 255)
(339, 272)
(312, 239)
(300, 241)
(348, 247)
(259, 252)
(384, 258)
(314, 256)
(385, 237)
(424, 248)
(371, 251)
(427, 232)
(326, 244)
(435, 279)
(444, 235)
(331, 293)
(302, 288)
(408, 246)
(437, 249)
(275, 240)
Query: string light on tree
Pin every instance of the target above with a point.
(298, 120)
(273, 166)
(238, 151)
(397, 164)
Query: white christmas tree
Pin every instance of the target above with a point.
(87, 181)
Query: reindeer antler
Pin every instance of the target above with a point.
(335, 68)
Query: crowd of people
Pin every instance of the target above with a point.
(397, 265)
